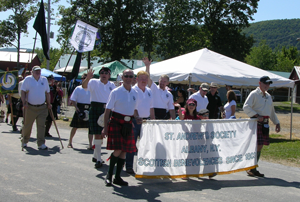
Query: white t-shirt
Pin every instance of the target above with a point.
(202, 102)
(36, 89)
(144, 101)
(162, 99)
(122, 101)
(100, 91)
(227, 108)
(81, 95)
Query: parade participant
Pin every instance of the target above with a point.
(214, 101)
(162, 98)
(190, 111)
(230, 106)
(99, 91)
(122, 102)
(54, 90)
(35, 108)
(145, 109)
(81, 100)
(259, 105)
(200, 97)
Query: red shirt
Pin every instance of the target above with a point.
(190, 116)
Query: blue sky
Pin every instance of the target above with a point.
(267, 10)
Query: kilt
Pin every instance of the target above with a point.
(115, 140)
(78, 123)
(95, 111)
(262, 138)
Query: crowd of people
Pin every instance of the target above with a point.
(116, 113)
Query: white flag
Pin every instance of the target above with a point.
(83, 37)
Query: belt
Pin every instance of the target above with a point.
(83, 106)
(98, 104)
(121, 116)
(36, 105)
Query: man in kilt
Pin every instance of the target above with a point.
(99, 90)
(122, 102)
(81, 100)
(162, 98)
(259, 105)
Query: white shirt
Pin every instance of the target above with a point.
(202, 102)
(144, 101)
(19, 87)
(122, 101)
(257, 103)
(81, 95)
(162, 99)
(100, 91)
(36, 89)
(227, 109)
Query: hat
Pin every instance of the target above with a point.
(213, 84)
(203, 111)
(204, 86)
(265, 79)
(36, 68)
(191, 101)
(106, 69)
(50, 76)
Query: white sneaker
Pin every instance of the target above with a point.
(24, 145)
(43, 147)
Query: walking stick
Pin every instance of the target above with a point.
(52, 116)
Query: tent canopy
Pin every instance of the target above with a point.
(115, 67)
(207, 66)
(46, 72)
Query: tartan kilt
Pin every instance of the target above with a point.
(262, 139)
(78, 123)
(94, 113)
(115, 141)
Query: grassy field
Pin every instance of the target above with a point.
(282, 150)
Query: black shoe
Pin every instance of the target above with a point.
(98, 164)
(48, 135)
(120, 181)
(6, 121)
(258, 174)
(107, 180)
(15, 129)
(94, 160)
(130, 171)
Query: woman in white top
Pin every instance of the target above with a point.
(230, 106)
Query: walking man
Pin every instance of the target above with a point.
(162, 98)
(122, 102)
(259, 105)
(99, 92)
(145, 109)
(37, 88)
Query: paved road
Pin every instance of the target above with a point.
(69, 175)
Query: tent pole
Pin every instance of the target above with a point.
(291, 125)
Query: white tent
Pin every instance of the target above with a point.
(207, 66)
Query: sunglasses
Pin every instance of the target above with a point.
(128, 76)
(192, 104)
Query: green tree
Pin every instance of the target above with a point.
(262, 57)
(55, 55)
(16, 23)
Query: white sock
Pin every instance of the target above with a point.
(97, 150)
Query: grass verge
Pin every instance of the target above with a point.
(282, 150)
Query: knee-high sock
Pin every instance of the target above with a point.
(257, 157)
(120, 165)
(98, 149)
(95, 153)
(112, 163)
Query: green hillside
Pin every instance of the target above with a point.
(277, 33)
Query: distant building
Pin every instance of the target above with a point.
(295, 75)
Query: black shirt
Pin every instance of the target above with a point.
(214, 102)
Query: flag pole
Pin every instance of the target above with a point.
(68, 62)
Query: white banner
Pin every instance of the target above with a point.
(83, 37)
(177, 149)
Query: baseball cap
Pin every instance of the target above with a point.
(191, 101)
(265, 79)
(36, 68)
(203, 111)
(204, 86)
